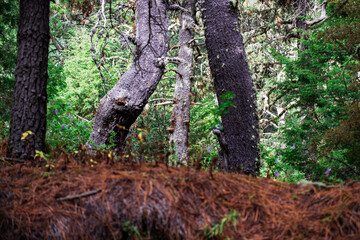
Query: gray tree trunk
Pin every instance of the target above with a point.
(230, 71)
(301, 12)
(30, 96)
(179, 127)
(120, 107)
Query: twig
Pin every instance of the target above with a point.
(177, 7)
(173, 70)
(84, 119)
(320, 200)
(160, 99)
(164, 103)
(86, 194)
(12, 159)
(347, 165)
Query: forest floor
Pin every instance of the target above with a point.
(83, 197)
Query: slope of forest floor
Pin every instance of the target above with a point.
(81, 197)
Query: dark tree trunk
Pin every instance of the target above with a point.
(120, 107)
(181, 112)
(30, 97)
(230, 71)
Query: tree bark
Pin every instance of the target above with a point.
(230, 71)
(179, 127)
(30, 96)
(120, 107)
(301, 12)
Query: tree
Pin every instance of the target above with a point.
(121, 106)
(231, 74)
(180, 119)
(30, 96)
(9, 14)
(324, 129)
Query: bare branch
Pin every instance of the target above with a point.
(93, 48)
(84, 119)
(174, 60)
(332, 15)
(72, 197)
(160, 99)
(59, 48)
(177, 8)
(164, 103)
(12, 159)
(173, 70)
(321, 18)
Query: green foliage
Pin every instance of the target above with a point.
(83, 83)
(66, 130)
(225, 105)
(8, 48)
(131, 231)
(4, 130)
(217, 228)
(316, 137)
(56, 81)
(321, 132)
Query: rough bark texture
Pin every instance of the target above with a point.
(30, 96)
(230, 71)
(181, 111)
(120, 107)
(301, 12)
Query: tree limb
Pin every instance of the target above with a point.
(332, 15)
(321, 18)
(72, 197)
(177, 8)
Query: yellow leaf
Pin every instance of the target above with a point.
(141, 137)
(121, 127)
(25, 134)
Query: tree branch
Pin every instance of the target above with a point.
(332, 15)
(177, 8)
(72, 197)
(321, 18)
(174, 60)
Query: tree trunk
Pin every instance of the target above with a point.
(30, 96)
(230, 70)
(120, 107)
(301, 12)
(180, 119)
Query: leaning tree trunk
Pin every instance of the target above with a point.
(120, 107)
(180, 119)
(230, 70)
(30, 96)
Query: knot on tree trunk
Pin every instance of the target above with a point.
(223, 162)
